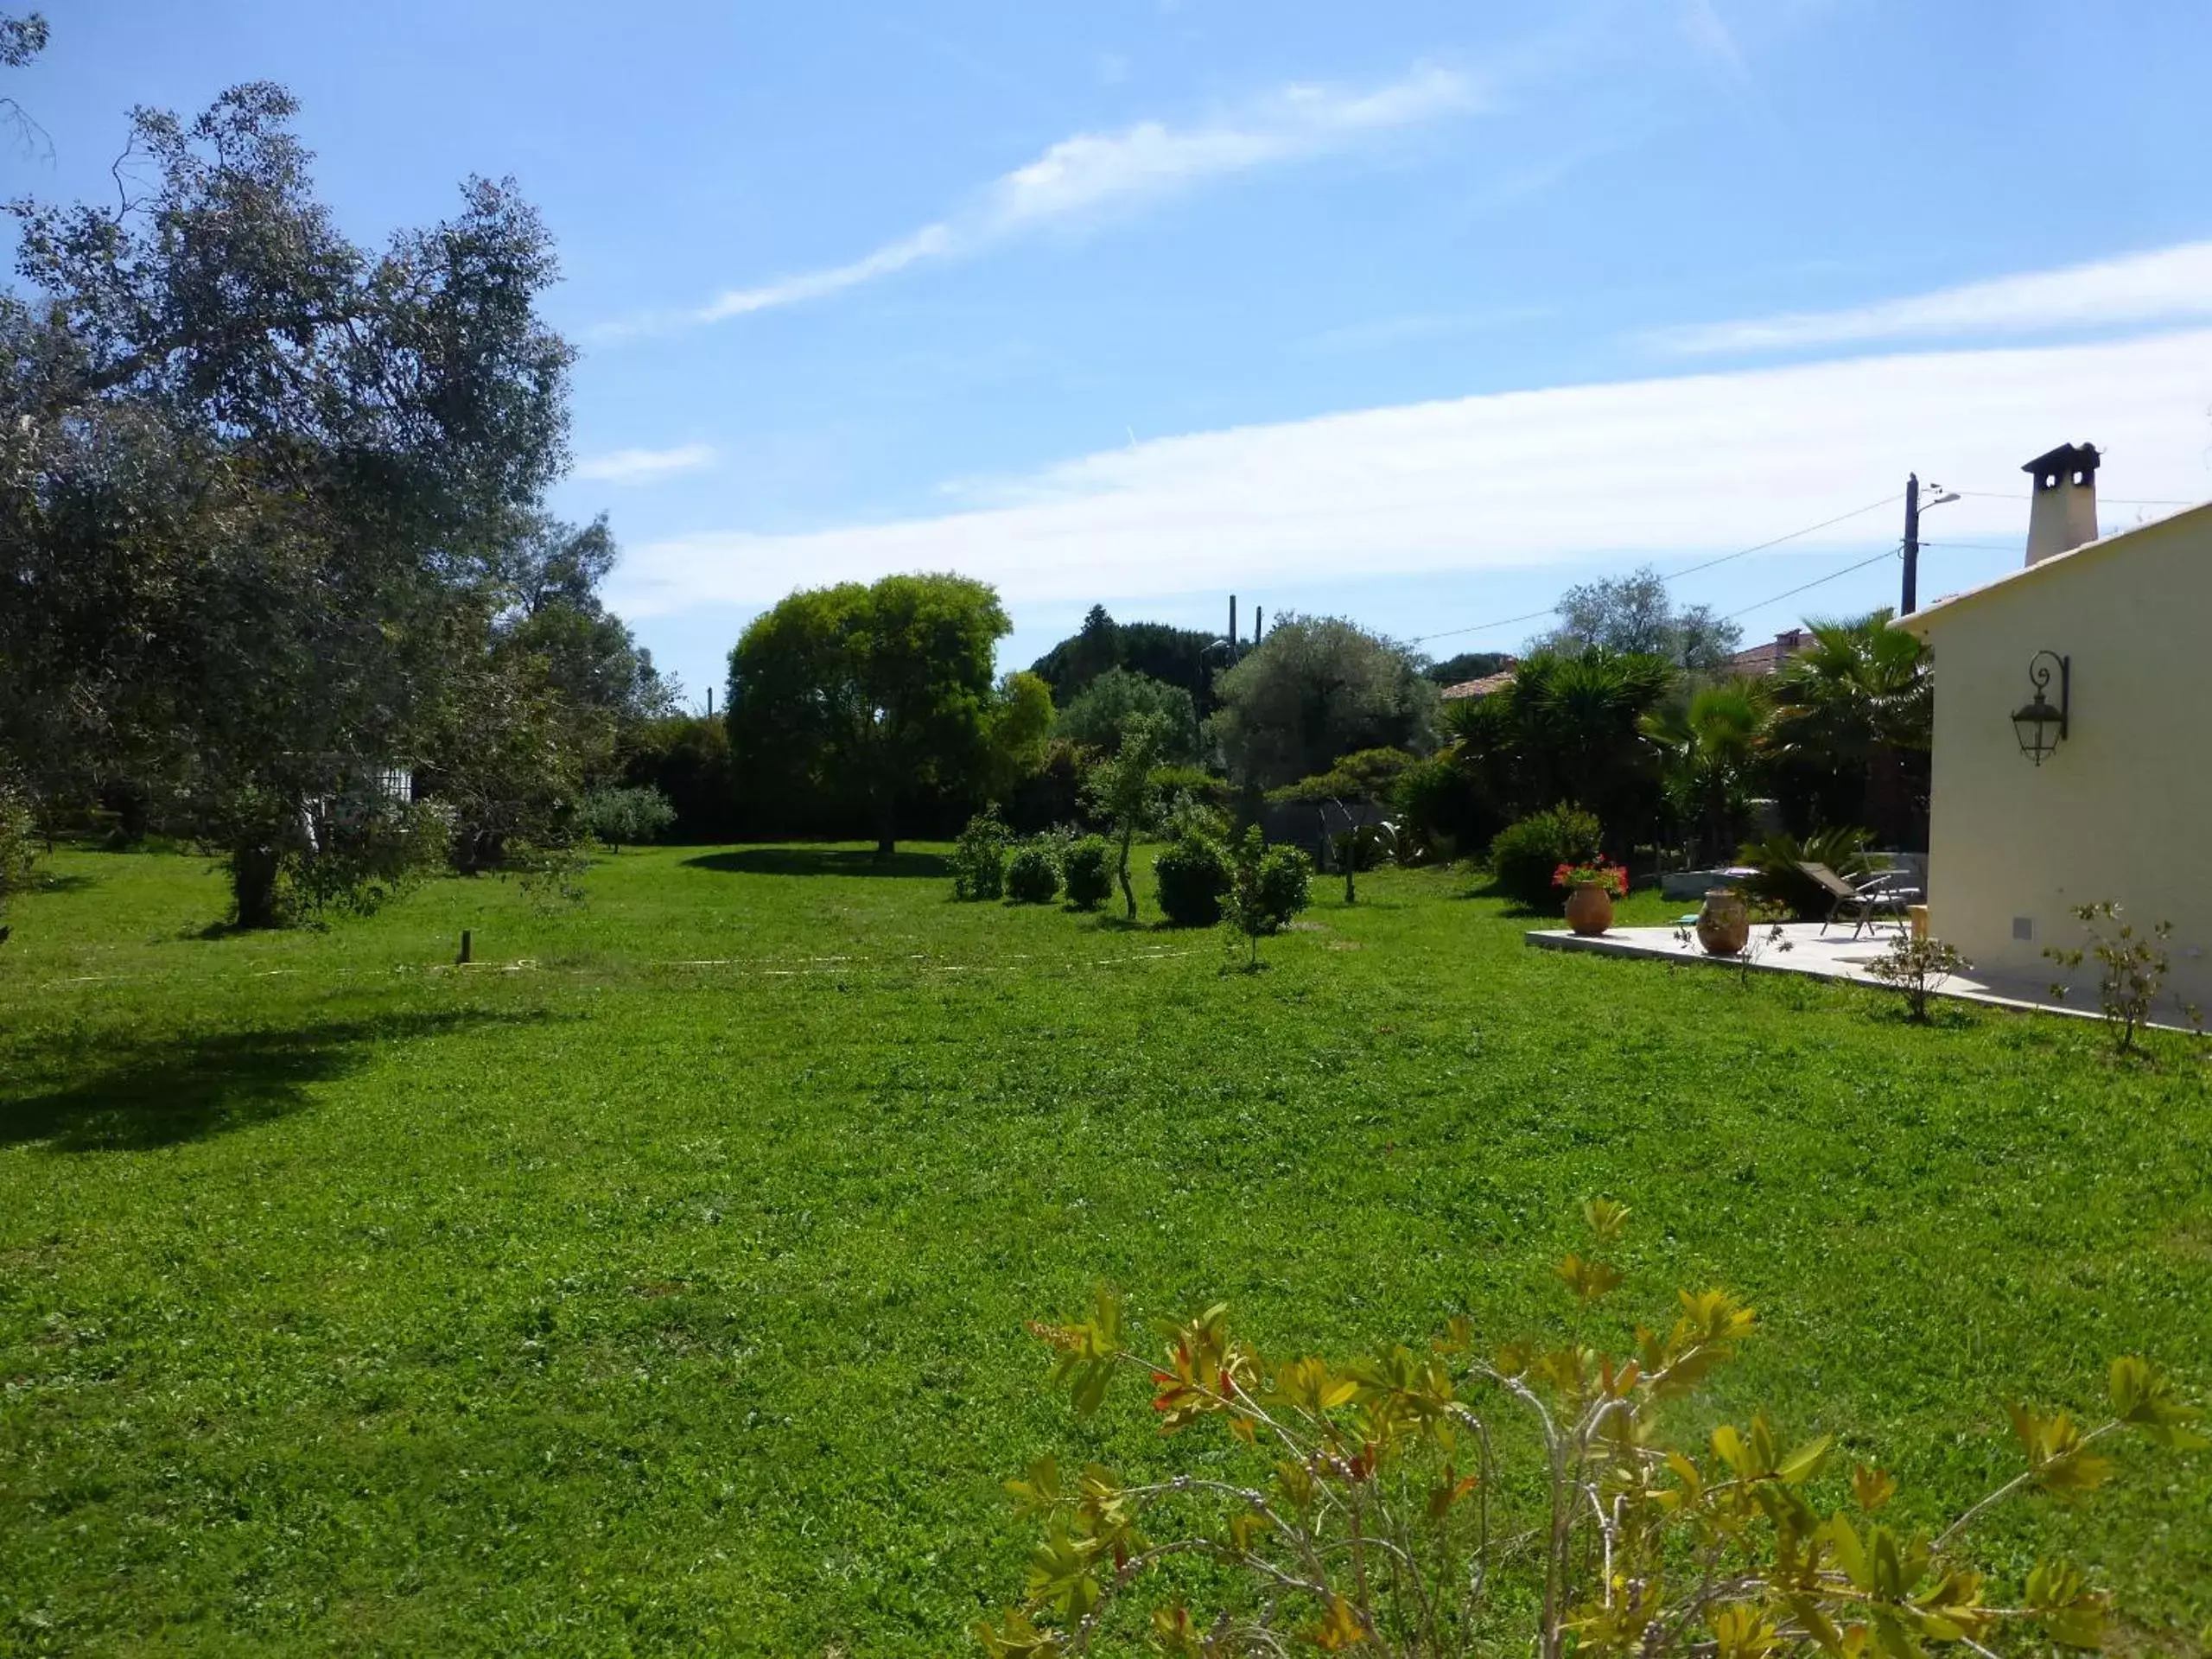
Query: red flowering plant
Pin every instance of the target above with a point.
(1595, 874)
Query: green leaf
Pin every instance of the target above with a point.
(1806, 1461)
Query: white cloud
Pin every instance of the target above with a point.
(1691, 465)
(642, 466)
(2169, 285)
(1079, 177)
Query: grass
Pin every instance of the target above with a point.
(657, 1284)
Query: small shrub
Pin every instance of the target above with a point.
(979, 858)
(629, 816)
(1377, 1505)
(1917, 968)
(1190, 877)
(1524, 854)
(1286, 886)
(1781, 886)
(1088, 867)
(2132, 971)
(1267, 886)
(1033, 874)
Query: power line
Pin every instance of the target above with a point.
(1886, 553)
(1479, 627)
(2108, 500)
(1741, 552)
(1763, 546)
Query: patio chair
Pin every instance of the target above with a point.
(1863, 903)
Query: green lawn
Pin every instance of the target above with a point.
(659, 1285)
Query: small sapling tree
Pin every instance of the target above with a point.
(1122, 791)
(1267, 886)
(2132, 970)
(1917, 969)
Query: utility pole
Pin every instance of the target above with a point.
(1232, 628)
(1912, 594)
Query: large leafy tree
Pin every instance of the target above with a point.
(1184, 658)
(1854, 723)
(1633, 615)
(1098, 717)
(866, 698)
(1315, 688)
(246, 470)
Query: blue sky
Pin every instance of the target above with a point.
(1412, 313)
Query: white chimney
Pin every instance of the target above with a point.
(2063, 513)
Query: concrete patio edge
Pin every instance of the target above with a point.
(1816, 957)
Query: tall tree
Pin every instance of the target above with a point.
(21, 38)
(1184, 658)
(1633, 615)
(1315, 688)
(1099, 716)
(246, 469)
(864, 697)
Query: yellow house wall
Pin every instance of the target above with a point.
(2123, 809)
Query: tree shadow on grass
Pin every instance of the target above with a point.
(821, 861)
(1510, 908)
(165, 1093)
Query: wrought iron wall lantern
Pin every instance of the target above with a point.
(2040, 724)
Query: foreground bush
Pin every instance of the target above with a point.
(1032, 875)
(979, 858)
(1088, 867)
(1524, 854)
(1370, 1507)
(1190, 878)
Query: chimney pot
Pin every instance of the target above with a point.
(2063, 511)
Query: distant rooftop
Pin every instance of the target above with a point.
(1757, 662)
(1481, 687)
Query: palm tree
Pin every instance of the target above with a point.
(1568, 728)
(1713, 750)
(1860, 708)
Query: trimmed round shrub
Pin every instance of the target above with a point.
(1524, 855)
(1088, 868)
(979, 858)
(1190, 876)
(1032, 877)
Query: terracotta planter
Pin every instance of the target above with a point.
(1590, 909)
(1724, 923)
